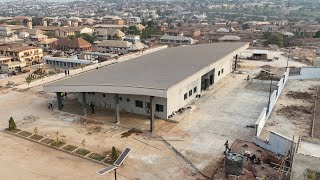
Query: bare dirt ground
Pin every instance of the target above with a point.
(29, 109)
(251, 170)
(293, 112)
(281, 62)
(316, 130)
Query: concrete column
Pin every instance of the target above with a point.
(116, 108)
(235, 63)
(152, 108)
(84, 103)
(59, 99)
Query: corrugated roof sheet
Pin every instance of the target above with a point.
(160, 70)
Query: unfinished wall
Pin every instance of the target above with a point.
(273, 99)
(261, 121)
(277, 143)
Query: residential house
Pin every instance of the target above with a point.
(16, 28)
(110, 26)
(132, 38)
(46, 43)
(162, 28)
(47, 29)
(67, 63)
(229, 38)
(64, 32)
(270, 28)
(176, 38)
(134, 20)
(138, 46)
(173, 32)
(39, 37)
(115, 47)
(77, 44)
(33, 32)
(5, 31)
(113, 20)
(23, 35)
(223, 30)
(28, 54)
(109, 34)
(8, 65)
(83, 30)
(140, 27)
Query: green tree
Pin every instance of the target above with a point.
(14, 23)
(275, 39)
(114, 155)
(50, 34)
(72, 37)
(88, 37)
(12, 124)
(245, 26)
(241, 21)
(267, 35)
(317, 35)
(28, 81)
(133, 30)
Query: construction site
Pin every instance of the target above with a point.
(261, 122)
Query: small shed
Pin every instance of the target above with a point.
(260, 55)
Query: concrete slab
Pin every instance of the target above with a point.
(222, 116)
(309, 148)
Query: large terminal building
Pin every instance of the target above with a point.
(156, 84)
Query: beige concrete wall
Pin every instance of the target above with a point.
(175, 94)
(126, 103)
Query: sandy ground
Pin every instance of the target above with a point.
(253, 66)
(293, 115)
(29, 109)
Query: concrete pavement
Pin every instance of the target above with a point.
(222, 116)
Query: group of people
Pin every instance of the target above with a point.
(66, 72)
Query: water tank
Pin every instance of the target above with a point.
(234, 164)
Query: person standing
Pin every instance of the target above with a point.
(68, 72)
(92, 108)
(226, 144)
(65, 72)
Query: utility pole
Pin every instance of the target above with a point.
(270, 93)
(288, 59)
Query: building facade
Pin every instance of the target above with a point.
(113, 46)
(29, 55)
(156, 85)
